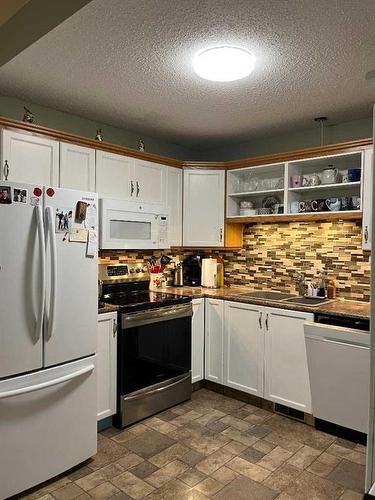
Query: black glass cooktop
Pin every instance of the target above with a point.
(143, 299)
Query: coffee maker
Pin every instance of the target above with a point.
(192, 270)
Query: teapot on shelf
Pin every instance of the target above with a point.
(330, 175)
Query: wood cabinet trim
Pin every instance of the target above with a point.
(79, 140)
(298, 217)
(86, 142)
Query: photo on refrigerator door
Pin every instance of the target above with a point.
(5, 195)
(63, 219)
(19, 195)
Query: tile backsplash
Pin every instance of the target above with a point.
(272, 254)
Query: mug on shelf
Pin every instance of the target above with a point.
(306, 181)
(314, 180)
(333, 204)
(305, 206)
(294, 207)
(354, 174)
(278, 208)
(296, 181)
(355, 203)
(345, 203)
(319, 205)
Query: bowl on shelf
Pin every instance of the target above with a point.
(248, 211)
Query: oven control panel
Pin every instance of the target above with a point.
(115, 273)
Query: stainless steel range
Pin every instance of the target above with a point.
(153, 346)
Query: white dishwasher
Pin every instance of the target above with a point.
(338, 357)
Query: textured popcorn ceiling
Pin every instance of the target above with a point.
(128, 63)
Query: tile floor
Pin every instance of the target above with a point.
(215, 447)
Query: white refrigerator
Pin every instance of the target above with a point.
(48, 322)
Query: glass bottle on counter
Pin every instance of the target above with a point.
(322, 283)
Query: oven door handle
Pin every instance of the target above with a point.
(141, 318)
(157, 390)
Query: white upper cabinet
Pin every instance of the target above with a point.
(77, 167)
(203, 212)
(31, 159)
(174, 205)
(114, 176)
(286, 372)
(243, 347)
(129, 179)
(367, 194)
(197, 341)
(150, 180)
(214, 323)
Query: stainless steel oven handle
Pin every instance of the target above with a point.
(157, 390)
(140, 318)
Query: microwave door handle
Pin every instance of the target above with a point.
(53, 250)
(41, 238)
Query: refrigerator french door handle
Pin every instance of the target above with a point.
(49, 383)
(53, 250)
(41, 237)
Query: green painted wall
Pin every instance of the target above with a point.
(231, 150)
(234, 150)
(13, 108)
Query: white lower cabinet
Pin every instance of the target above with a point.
(197, 341)
(214, 326)
(243, 348)
(106, 364)
(265, 354)
(286, 373)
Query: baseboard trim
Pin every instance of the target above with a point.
(342, 432)
(264, 404)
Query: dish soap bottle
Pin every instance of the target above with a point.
(331, 289)
(322, 283)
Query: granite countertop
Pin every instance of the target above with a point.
(236, 293)
(107, 308)
(337, 307)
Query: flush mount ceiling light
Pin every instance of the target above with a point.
(224, 64)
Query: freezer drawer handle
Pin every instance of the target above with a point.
(44, 385)
(346, 342)
(40, 225)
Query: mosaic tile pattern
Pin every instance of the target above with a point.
(214, 447)
(272, 254)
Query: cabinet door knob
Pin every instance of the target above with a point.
(6, 170)
(131, 188)
(137, 189)
(267, 321)
(221, 234)
(114, 328)
(366, 234)
(260, 319)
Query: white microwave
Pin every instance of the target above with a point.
(127, 225)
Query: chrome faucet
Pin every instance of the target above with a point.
(300, 280)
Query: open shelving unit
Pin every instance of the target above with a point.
(255, 184)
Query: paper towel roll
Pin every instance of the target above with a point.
(209, 273)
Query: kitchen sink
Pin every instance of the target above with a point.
(308, 301)
(271, 295)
